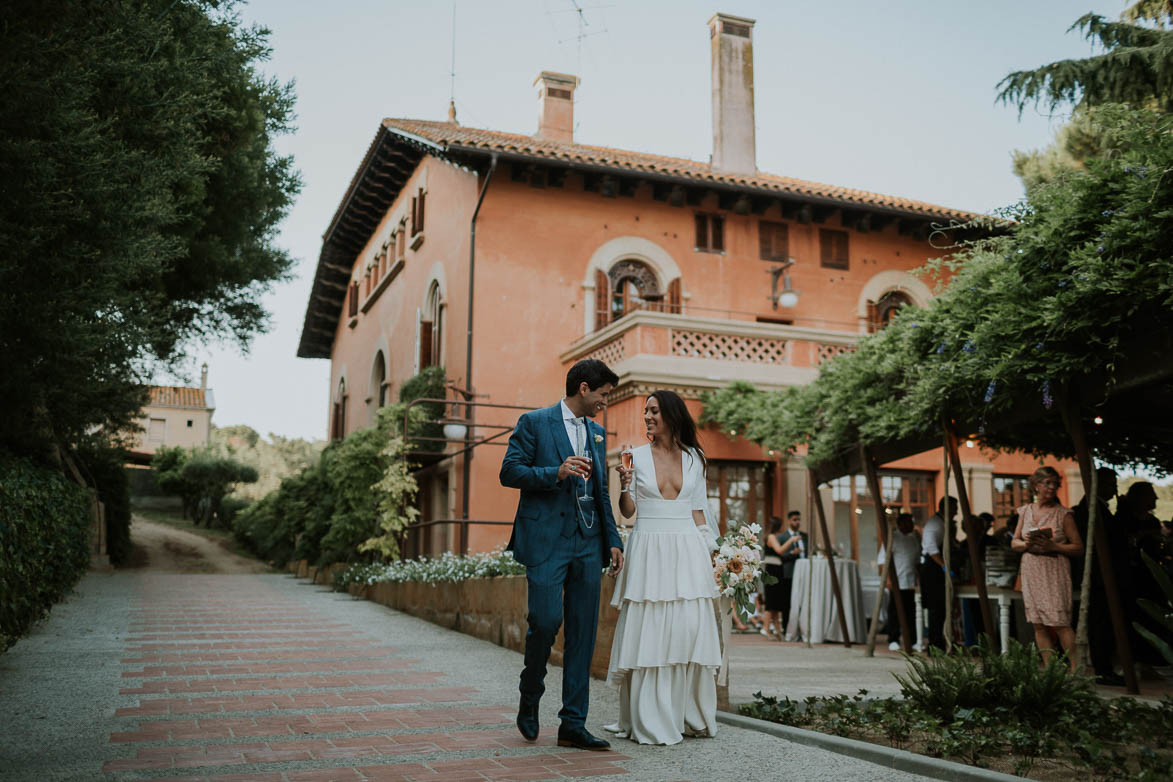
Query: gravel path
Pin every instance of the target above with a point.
(165, 549)
(143, 675)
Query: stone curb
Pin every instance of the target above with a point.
(896, 759)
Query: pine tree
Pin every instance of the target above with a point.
(1136, 68)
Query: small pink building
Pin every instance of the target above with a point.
(175, 416)
(506, 257)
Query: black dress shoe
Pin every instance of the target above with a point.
(581, 739)
(527, 720)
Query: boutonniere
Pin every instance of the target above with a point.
(598, 438)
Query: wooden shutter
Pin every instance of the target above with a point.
(702, 232)
(717, 231)
(352, 305)
(674, 296)
(414, 208)
(773, 241)
(425, 344)
(420, 216)
(873, 317)
(602, 299)
(833, 252)
(336, 422)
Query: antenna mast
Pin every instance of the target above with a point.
(452, 71)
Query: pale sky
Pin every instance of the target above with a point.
(894, 97)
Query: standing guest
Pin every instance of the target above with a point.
(777, 596)
(971, 613)
(932, 570)
(905, 557)
(1047, 534)
(1135, 512)
(794, 548)
(1101, 636)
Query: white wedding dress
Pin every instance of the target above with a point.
(667, 648)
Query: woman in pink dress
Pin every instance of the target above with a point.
(1047, 535)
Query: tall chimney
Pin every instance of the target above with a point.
(556, 106)
(734, 149)
(204, 376)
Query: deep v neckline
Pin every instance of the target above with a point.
(656, 477)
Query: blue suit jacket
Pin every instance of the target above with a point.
(537, 447)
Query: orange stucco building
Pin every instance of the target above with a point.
(538, 251)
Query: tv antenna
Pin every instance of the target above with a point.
(579, 11)
(452, 71)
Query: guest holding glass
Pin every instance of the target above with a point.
(1047, 536)
(776, 598)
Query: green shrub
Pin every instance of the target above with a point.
(44, 543)
(941, 684)
(428, 384)
(354, 503)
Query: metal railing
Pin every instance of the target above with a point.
(413, 535)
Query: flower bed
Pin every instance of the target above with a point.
(1005, 712)
(483, 595)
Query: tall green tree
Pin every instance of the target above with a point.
(1081, 137)
(140, 195)
(1136, 66)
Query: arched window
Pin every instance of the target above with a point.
(630, 285)
(432, 329)
(880, 313)
(379, 385)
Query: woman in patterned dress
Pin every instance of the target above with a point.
(1047, 536)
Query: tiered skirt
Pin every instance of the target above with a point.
(667, 647)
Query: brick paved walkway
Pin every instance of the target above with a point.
(237, 684)
(263, 677)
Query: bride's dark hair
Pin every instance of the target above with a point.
(678, 420)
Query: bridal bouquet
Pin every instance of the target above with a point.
(737, 567)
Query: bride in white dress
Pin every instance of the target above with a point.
(667, 648)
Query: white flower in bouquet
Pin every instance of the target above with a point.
(755, 528)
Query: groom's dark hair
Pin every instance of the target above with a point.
(592, 372)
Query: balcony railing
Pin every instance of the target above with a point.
(708, 352)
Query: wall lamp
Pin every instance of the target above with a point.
(787, 296)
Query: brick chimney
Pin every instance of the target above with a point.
(204, 377)
(734, 149)
(556, 106)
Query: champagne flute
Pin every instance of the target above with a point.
(628, 458)
(586, 475)
(590, 466)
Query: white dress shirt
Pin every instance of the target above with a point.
(932, 536)
(575, 430)
(905, 558)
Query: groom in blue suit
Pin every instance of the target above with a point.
(563, 533)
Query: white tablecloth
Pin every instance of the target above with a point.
(819, 602)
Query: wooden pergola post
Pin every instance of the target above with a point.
(889, 576)
(971, 534)
(835, 591)
(1074, 423)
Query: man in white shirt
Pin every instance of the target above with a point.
(906, 546)
(932, 570)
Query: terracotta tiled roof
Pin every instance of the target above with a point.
(178, 396)
(446, 134)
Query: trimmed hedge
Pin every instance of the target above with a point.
(44, 543)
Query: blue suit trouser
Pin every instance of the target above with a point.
(566, 586)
